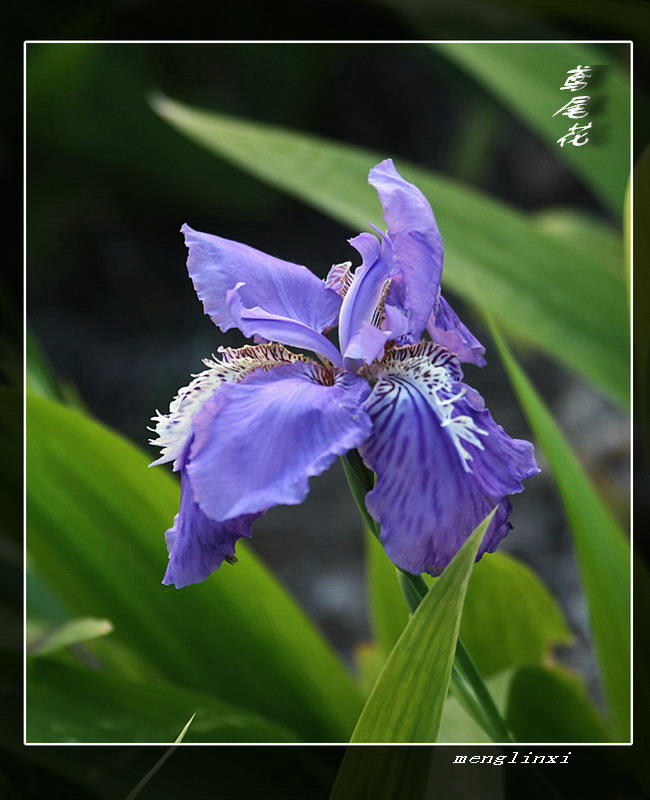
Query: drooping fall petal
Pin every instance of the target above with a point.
(259, 441)
(442, 463)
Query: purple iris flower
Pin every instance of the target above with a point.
(251, 429)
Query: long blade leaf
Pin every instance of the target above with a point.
(550, 705)
(602, 549)
(74, 704)
(407, 701)
(96, 517)
(527, 78)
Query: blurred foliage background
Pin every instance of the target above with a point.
(114, 315)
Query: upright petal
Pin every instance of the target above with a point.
(446, 329)
(417, 244)
(174, 429)
(366, 345)
(364, 293)
(261, 324)
(279, 287)
(258, 442)
(442, 463)
(197, 545)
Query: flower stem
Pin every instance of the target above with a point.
(361, 481)
(467, 683)
(463, 662)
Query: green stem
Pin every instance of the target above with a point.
(467, 668)
(360, 481)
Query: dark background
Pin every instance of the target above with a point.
(109, 300)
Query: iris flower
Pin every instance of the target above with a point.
(250, 430)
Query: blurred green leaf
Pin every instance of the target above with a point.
(41, 602)
(550, 705)
(41, 641)
(579, 230)
(96, 518)
(541, 287)
(407, 701)
(509, 617)
(73, 704)
(145, 780)
(629, 18)
(641, 247)
(527, 78)
(375, 773)
(602, 550)
(388, 612)
(204, 773)
(458, 726)
(39, 378)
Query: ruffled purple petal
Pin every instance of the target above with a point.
(174, 429)
(442, 463)
(258, 442)
(445, 328)
(279, 287)
(198, 545)
(261, 324)
(365, 292)
(416, 241)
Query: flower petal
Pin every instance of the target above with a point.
(273, 327)
(279, 287)
(445, 328)
(198, 545)
(416, 241)
(442, 463)
(365, 292)
(259, 441)
(174, 429)
(367, 344)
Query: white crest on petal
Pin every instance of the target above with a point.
(174, 428)
(435, 370)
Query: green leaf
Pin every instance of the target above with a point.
(45, 640)
(96, 521)
(73, 704)
(526, 78)
(641, 246)
(602, 549)
(39, 377)
(388, 612)
(458, 726)
(575, 228)
(542, 288)
(550, 705)
(509, 616)
(371, 773)
(145, 780)
(407, 701)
